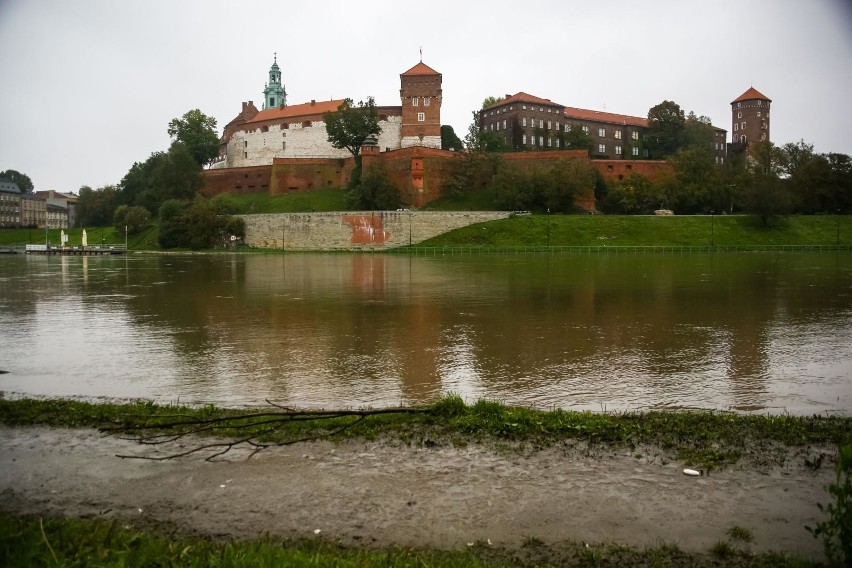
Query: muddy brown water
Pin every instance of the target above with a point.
(749, 332)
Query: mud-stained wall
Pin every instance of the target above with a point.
(356, 230)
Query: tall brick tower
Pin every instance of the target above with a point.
(420, 92)
(749, 119)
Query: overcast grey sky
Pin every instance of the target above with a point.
(89, 86)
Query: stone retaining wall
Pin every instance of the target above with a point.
(356, 230)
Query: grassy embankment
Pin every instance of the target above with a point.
(707, 439)
(527, 231)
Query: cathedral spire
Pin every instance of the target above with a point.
(274, 95)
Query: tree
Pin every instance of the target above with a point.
(766, 196)
(665, 129)
(449, 140)
(132, 219)
(350, 125)
(197, 132)
(542, 187)
(196, 225)
(24, 182)
(95, 207)
(164, 175)
(577, 139)
(491, 101)
(375, 191)
(636, 195)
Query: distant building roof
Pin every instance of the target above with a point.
(296, 111)
(9, 187)
(522, 97)
(420, 69)
(598, 116)
(750, 95)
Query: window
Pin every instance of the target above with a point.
(421, 116)
(743, 126)
(524, 107)
(617, 134)
(618, 150)
(557, 142)
(601, 148)
(524, 121)
(736, 127)
(634, 135)
(245, 144)
(635, 151)
(541, 140)
(549, 125)
(739, 115)
(601, 132)
(504, 124)
(415, 101)
(586, 129)
(426, 101)
(549, 140)
(557, 125)
(541, 123)
(524, 139)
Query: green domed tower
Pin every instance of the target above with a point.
(274, 95)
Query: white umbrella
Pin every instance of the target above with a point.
(85, 238)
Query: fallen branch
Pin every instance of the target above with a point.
(164, 429)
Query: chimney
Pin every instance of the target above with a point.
(245, 104)
(508, 95)
(313, 102)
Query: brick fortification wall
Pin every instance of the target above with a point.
(235, 181)
(356, 230)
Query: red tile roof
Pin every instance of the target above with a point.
(598, 116)
(421, 69)
(296, 111)
(523, 97)
(751, 95)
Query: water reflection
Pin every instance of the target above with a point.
(744, 332)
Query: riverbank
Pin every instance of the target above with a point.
(539, 486)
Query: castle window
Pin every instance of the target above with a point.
(548, 140)
(739, 115)
(618, 150)
(585, 129)
(557, 125)
(763, 136)
(504, 124)
(524, 123)
(759, 103)
(541, 140)
(548, 125)
(245, 143)
(524, 139)
(426, 101)
(421, 117)
(634, 135)
(736, 127)
(415, 101)
(743, 126)
(541, 123)
(758, 113)
(601, 132)
(617, 134)
(602, 148)
(271, 102)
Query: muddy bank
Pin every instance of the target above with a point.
(381, 493)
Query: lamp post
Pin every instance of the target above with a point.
(712, 228)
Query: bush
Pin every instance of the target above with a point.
(836, 532)
(133, 218)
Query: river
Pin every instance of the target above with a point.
(748, 332)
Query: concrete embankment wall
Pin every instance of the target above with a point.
(356, 230)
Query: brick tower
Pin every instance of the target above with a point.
(420, 92)
(749, 119)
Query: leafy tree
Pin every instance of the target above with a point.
(697, 181)
(350, 125)
(197, 132)
(95, 207)
(636, 195)
(542, 187)
(24, 182)
(375, 191)
(766, 196)
(164, 175)
(133, 218)
(198, 225)
(665, 129)
(483, 140)
(577, 139)
(449, 140)
(491, 101)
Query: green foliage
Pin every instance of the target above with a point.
(636, 195)
(24, 182)
(197, 132)
(164, 175)
(134, 219)
(490, 101)
(374, 191)
(766, 195)
(665, 129)
(550, 187)
(836, 531)
(349, 126)
(95, 208)
(199, 225)
(577, 139)
(449, 140)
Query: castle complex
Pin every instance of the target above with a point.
(283, 148)
(256, 137)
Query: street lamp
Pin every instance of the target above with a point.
(712, 228)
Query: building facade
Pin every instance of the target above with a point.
(10, 204)
(33, 211)
(257, 137)
(749, 119)
(527, 122)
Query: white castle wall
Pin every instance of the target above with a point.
(257, 148)
(428, 142)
